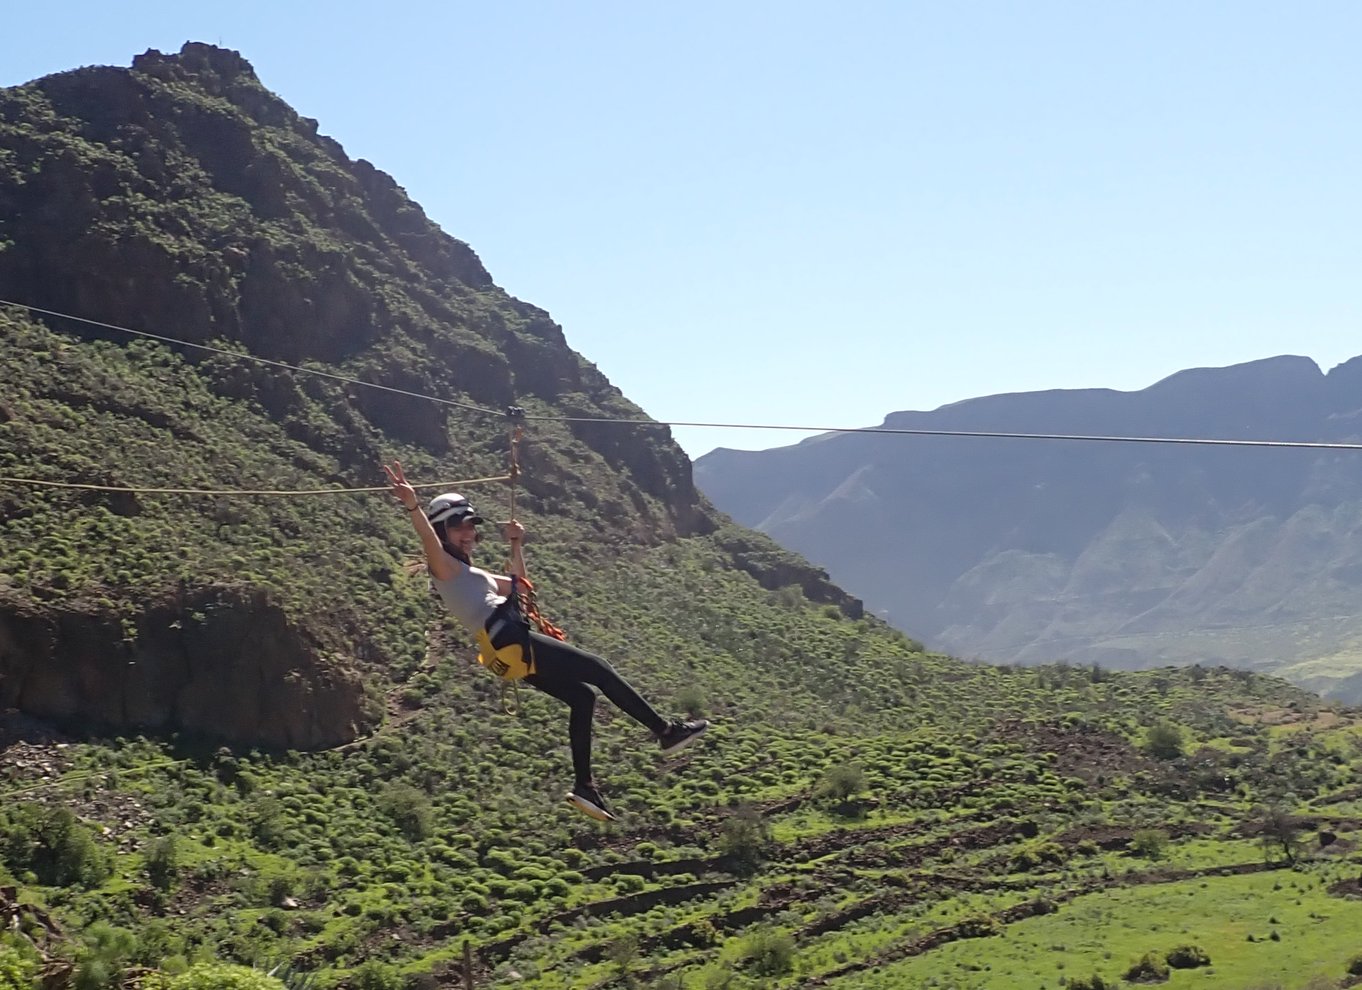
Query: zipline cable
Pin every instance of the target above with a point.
(960, 433)
(240, 491)
(882, 430)
(253, 357)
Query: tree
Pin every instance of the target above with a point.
(409, 809)
(1279, 831)
(770, 952)
(841, 782)
(1151, 843)
(623, 952)
(54, 844)
(163, 863)
(1164, 741)
(691, 700)
(100, 960)
(743, 837)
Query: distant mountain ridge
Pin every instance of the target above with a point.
(1127, 554)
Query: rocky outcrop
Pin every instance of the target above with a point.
(210, 662)
(776, 568)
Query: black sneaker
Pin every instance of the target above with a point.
(587, 798)
(679, 735)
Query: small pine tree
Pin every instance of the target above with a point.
(163, 863)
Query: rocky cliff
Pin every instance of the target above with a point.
(223, 663)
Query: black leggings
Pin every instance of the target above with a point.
(565, 672)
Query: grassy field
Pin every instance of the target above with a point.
(1234, 919)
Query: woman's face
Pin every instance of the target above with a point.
(462, 534)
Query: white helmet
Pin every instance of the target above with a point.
(451, 507)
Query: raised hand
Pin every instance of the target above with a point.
(401, 490)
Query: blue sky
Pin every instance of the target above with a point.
(819, 213)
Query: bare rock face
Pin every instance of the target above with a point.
(212, 662)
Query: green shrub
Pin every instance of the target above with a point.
(410, 810)
(163, 863)
(17, 972)
(769, 952)
(1355, 965)
(1093, 982)
(744, 837)
(53, 845)
(1051, 853)
(703, 934)
(375, 975)
(215, 976)
(978, 926)
(841, 782)
(1164, 741)
(519, 890)
(100, 959)
(1151, 843)
(691, 700)
(279, 888)
(1149, 968)
(1188, 957)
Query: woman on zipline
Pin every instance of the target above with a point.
(448, 532)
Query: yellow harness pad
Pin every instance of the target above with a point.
(509, 663)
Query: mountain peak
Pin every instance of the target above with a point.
(199, 59)
(1284, 370)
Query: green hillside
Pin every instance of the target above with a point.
(237, 728)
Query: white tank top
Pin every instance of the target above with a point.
(471, 594)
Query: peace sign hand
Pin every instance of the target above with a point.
(401, 490)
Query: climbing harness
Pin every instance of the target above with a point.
(505, 646)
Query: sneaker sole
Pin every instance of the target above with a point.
(590, 808)
(677, 747)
